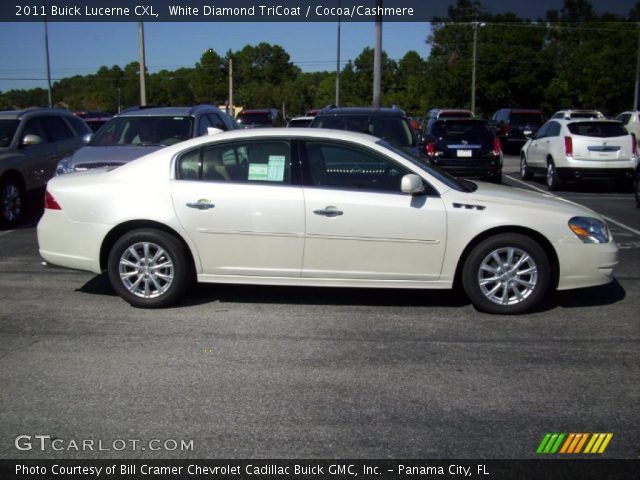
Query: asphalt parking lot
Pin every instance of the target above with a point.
(266, 372)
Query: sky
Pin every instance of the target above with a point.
(82, 48)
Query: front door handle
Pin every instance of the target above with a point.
(200, 205)
(329, 212)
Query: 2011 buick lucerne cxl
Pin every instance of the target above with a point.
(316, 207)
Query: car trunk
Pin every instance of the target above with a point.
(600, 141)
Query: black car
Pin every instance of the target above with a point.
(260, 118)
(465, 147)
(391, 124)
(636, 186)
(514, 125)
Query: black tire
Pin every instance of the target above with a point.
(626, 184)
(525, 171)
(173, 262)
(12, 202)
(554, 182)
(481, 258)
(636, 188)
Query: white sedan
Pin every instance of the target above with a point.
(316, 208)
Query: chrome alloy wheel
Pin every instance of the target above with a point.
(146, 270)
(10, 202)
(507, 276)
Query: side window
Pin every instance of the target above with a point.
(332, 165)
(553, 129)
(267, 162)
(57, 128)
(543, 131)
(205, 122)
(216, 121)
(79, 125)
(35, 126)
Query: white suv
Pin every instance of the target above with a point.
(574, 114)
(566, 150)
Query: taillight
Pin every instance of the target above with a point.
(50, 202)
(430, 149)
(568, 146)
(497, 147)
(634, 145)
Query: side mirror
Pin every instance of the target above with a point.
(412, 184)
(31, 139)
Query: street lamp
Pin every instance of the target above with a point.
(474, 64)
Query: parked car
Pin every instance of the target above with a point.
(95, 119)
(31, 143)
(260, 118)
(315, 207)
(390, 124)
(514, 125)
(300, 121)
(138, 131)
(573, 114)
(465, 147)
(631, 121)
(571, 150)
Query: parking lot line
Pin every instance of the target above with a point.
(608, 219)
(6, 233)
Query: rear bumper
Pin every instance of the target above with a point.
(586, 173)
(471, 167)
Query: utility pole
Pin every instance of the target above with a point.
(473, 70)
(635, 92)
(377, 56)
(143, 85)
(338, 64)
(231, 109)
(46, 48)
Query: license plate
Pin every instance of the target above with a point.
(464, 153)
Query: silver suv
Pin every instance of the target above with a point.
(32, 142)
(141, 130)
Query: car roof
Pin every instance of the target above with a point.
(382, 111)
(255, 110)
(16, 114)
(167, 111)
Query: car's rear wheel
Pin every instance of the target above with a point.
(525, 172)
(506, 274)
(149, 268)
(636, 188)
(553, 178)
(11, 202)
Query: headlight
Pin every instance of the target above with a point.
(589, 230)
(64, 166)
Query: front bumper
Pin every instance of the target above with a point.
(586, 265)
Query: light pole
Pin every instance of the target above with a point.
(46, 49)
(338, 64)
(143, 85)
(377, 57)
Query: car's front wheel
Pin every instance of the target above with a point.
(149, 268)
(506, 274)
(11, 202)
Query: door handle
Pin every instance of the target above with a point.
(200, 205)
(329, 212)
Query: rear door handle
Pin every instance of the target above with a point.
(200, 205)
(329, 212)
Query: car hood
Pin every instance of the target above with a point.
(93, 157)
(504, 195)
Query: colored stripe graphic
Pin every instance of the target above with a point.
(573, 443)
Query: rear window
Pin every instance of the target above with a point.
(255, 118)
(394, 129)
(461, 128)
(145, 130)
(597, 129)
(455, 114)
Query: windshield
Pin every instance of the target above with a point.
(527, 119)
(597, 129)
(393, 129)
(7, 131)
(148, 130)
(455, 183)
